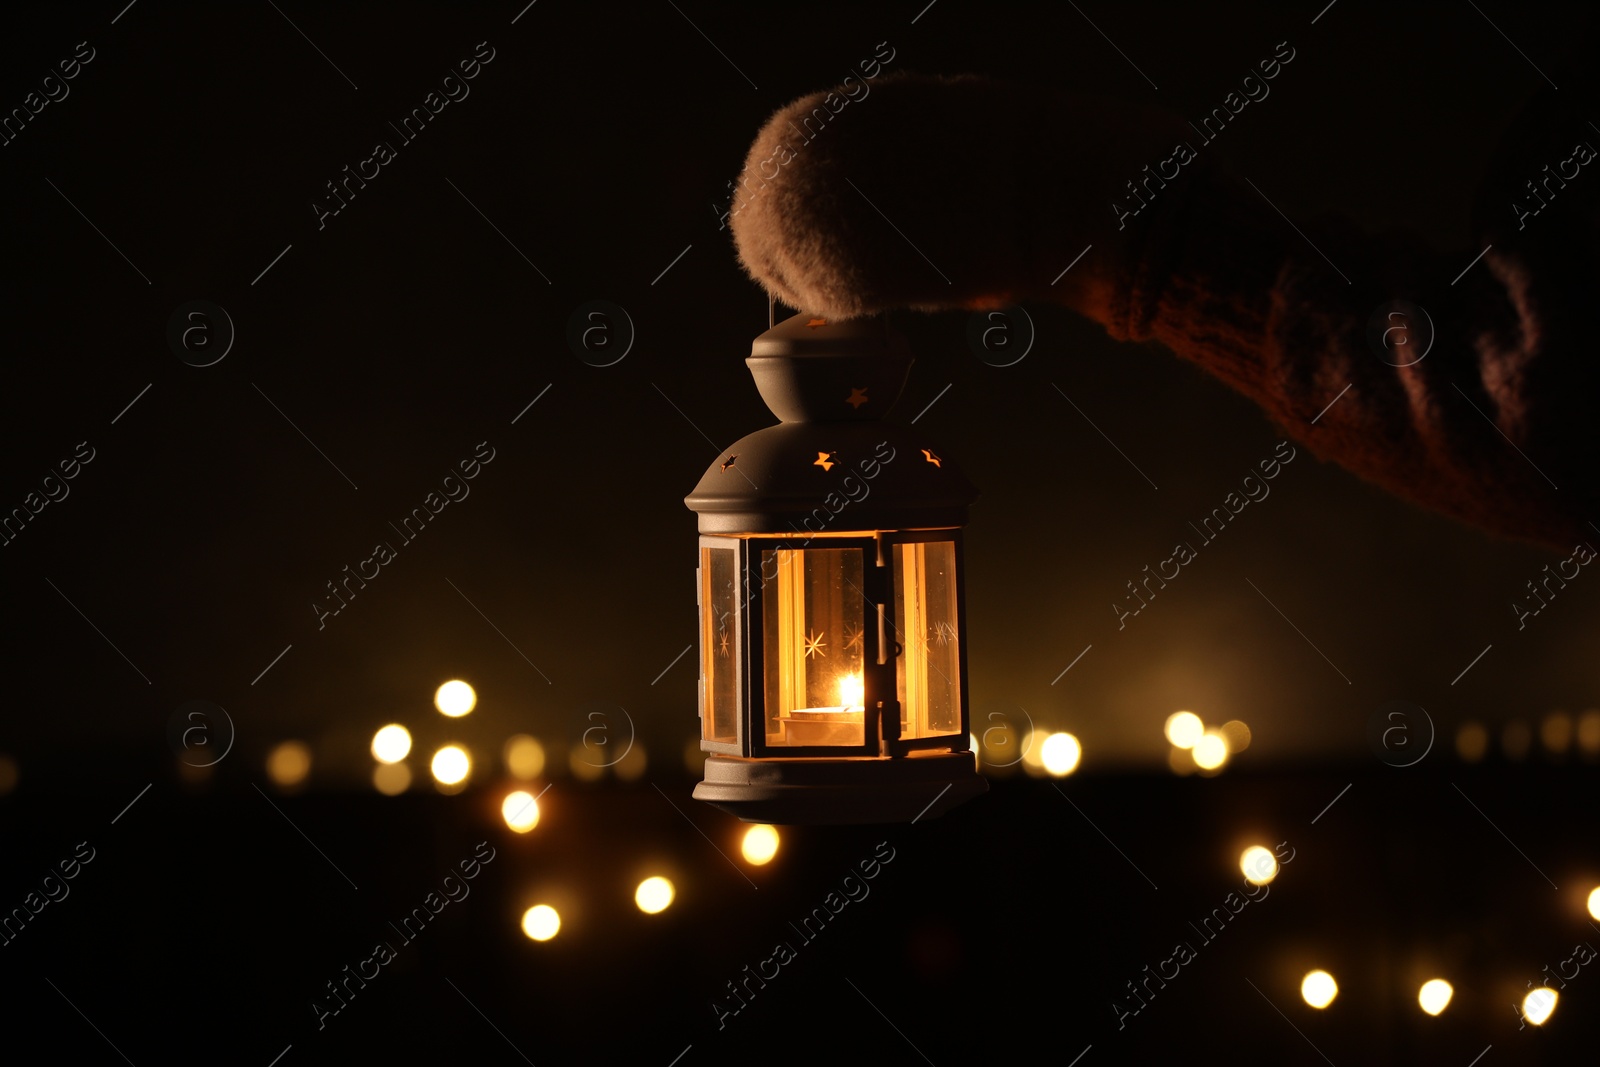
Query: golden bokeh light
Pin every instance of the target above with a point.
(1594, 902)
(541, 922)
(694, 758)
(10, 773)
(582, 767)
(289, 763)
(1434, 996)
(391, 779)
(1259, 865)
(1210, 751)
(524, 757)
(455, 698)
(1555, 733)
(1538, 1005)
(1472, 742)
(653, 895)
(451, 765)
(1237, 734)
(1060, 754)
(1588, 731)
(1318, 988)
(631, 767)
(760, 844)
(1184, 728)
(520, 811)
(391, 743)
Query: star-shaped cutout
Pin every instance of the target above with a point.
(814, 644)
(932, 458)
(814, 323)
(944, 633)
(728, 462)
(824, 460)
(722, 643)
(852, 639)
(857, 398)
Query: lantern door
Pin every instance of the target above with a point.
(819, 687)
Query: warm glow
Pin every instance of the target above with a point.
(541, 922)
(1184, 728)
(631, 767)
(1538, 1004)
(391, 779)
(1060, 754)
(1434, 996)
(582, 768)
(653, 895)
(520, 811)
(851, 691)
(1318, 988)
(524, 757)
(1258, 864)
(1237, 734)
(455, 698)
(451, 765)
(1472, 742)
(391, 744)
(289, 763)
(1211, 751)
(760, 844)
(1594, 902)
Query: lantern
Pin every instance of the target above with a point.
(833, 668)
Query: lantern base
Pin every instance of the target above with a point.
(836, 791)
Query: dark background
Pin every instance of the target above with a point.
(406, 330)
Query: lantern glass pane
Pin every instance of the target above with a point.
(928, 671)
(813, 646)
(719, 644)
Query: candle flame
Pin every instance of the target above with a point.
(851, 693)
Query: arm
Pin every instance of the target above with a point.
(1498, 426)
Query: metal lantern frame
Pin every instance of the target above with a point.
(832, 476)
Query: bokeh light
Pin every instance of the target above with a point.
(1472, 742)
(694, 758)
(1184, 728)
(455, 698)
(541, 922)
(1434, 996)
(760, 844)
(520, 811)
(1237, 734)
(1318, 988)
(582, 766)
(451, 765)
(631, 767)
(1210, 751)
(391, 744)
(1555, 733)
(1538, 1005)
(1588, 731)
(524, 757)
(391, 779)
(289, 763)
(1060, 754)
(10, 773)
(1259, 865)
(653, 895)
(1594, 902)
